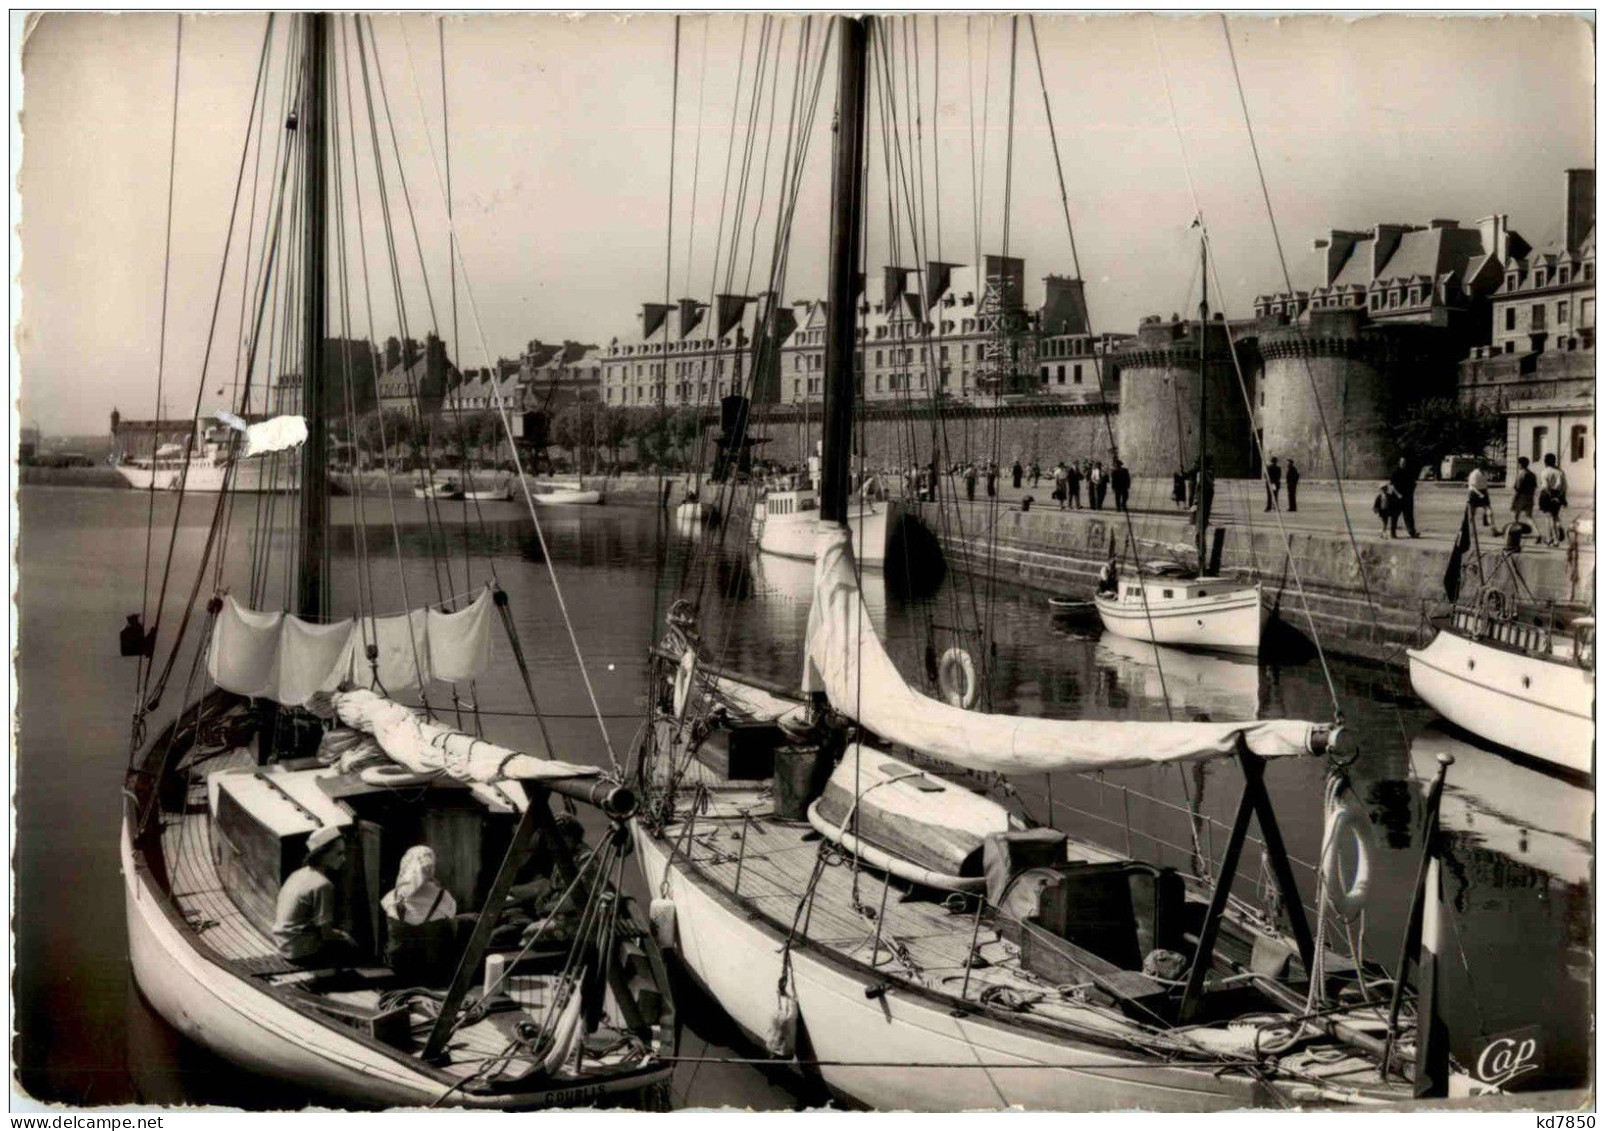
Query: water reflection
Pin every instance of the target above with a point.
(1201, 686)
(1535, 819)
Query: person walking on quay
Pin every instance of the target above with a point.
(1073, 478)
(1036, 474)
(1120, 480)
(1019, 474)
(1404, 485)
(1477, 496)
(969, 481)
(1523, 492)
(1551, 497)
(1273, 485)
(991, 479)
(1061, 488)
(1386, 506)
(1095, 487)
(1292, 486)
(1178, 489)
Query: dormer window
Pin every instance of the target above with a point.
(1538, 277)
(1564, 276)
(1376, 300)
(1510, 281)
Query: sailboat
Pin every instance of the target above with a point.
(1171, 605)
(295, 841)
(821, 872)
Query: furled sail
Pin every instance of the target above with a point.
(847, 661)
(427, 747)
(282, 657)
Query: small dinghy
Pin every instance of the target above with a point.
(910, 823)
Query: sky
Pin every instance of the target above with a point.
(560, 132)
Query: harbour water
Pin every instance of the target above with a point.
(1518, 883)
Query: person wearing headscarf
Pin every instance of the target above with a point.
(420, 919)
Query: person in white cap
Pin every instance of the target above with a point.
(303, 922)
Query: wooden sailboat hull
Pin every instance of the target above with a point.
(1228, 621)
(246, 1025)
(908, 1049)
(1537, 706)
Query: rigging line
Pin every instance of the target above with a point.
(661, 385)
(890, 130)
(1287, 279)
(891, 147)
(936, 111)
(696, 160)
(432, 508)
(1097, 357)
(1326, 671)
(769, 137)
(401, 314)
(247, 291)
(800, 133)
(1287, 542)
(749, 145)
(343, 312)
(502, 412)
(211, 334)
(161, 339)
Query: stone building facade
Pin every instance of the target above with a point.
(685, 354)
(1160, 386)
(1541, 342)
(1395, 311)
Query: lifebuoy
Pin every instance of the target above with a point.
(684, 675)
(1347, 848)
(955, 678)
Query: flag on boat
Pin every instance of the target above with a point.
(846, 660)
(282, 657)
(276, 435)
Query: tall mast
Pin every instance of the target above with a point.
(1203, 372)
(846, 234)
(310, 587)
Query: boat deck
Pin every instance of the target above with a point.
(489, 1047)
(737, 845)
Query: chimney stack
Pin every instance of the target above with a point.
(392, 354)
(1064, 309)
(893, 280)
(1386, 239)
(652, 316)
(1579, 206)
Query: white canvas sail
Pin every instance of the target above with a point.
(282, 657)
(846, 660)
(426, 747)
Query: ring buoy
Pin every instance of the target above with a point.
(684, 675)
(1348, 846)
(955, 678)
(1495, 606)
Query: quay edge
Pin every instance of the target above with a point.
(1062, 551)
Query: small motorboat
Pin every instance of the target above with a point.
(566, 497)
(441, 487)
(1185, 610)
(1063, 605)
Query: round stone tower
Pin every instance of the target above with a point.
(1159, 388)
(1334, 386)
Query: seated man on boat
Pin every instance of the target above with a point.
(420, 921)
(303, 921)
